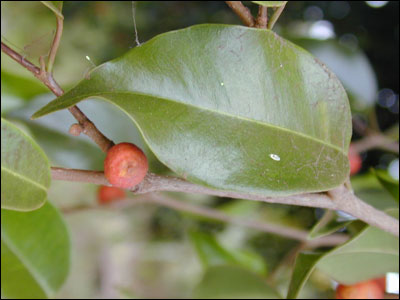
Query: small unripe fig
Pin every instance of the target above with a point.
(107, 194)
(363, 290)
(75, 129)
(125, 165)
(355, 161)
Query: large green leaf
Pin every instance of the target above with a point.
(230, 107)
(11, 85)
(34, 253)
(370, 254)
(232, 282)
(25, 170)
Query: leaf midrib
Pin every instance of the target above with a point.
(42, 187)
(98, 94)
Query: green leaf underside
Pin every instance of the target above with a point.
(370, 254)
(25, 170)
(230, 107)
(34, 253)
(270, 3)
(232, 282)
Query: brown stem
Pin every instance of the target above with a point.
(55, 44)
(20, 59)
(96, 177)
(262, 17)
(47, 79)
(155, 183)
(376, 140)
(242, 11)
(349, 203)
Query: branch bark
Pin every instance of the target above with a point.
(242, 11)
(262, 17)
(55, 44)
(47, 79)
(337, 199)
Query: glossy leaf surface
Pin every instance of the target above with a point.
(230, 107)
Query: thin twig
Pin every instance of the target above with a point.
(55, 44)
(285, 231)
(20, 59)
(376, 140)
(242, 11)
(276, 16)
(262, 17)
(47, 79)
(338, 199)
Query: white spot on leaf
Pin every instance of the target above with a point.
(275, 157)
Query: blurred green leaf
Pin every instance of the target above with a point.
(324, 227)
(304, 265)
(368, 188)
(21, 87)
(188, 85)
(370, 254)
(210, 252)
(251, 261)
(10, 103)
(233, 282)
(270, 3)
(240, 207)
(25, 170)
(393, 132)
(66, 150)
(34, 253)
(389, 183)
(55, 6)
